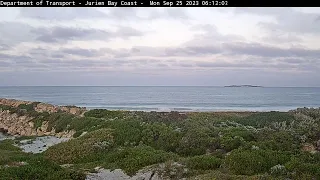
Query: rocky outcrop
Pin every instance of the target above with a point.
(13, 102)
(22, 125)
(44, 107)
(13, 124)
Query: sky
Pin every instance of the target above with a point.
(160, 46)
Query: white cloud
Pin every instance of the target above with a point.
(188, 44)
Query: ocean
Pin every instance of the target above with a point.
(171, 98)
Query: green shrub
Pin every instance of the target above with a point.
(265, 119)
(161, 136)
(278, 170)
(194, 142)
(80, 149)
(4, 107)
(250, 162)
(15, 164)
(245, 134)
(278, 141)
(28, 107)
(307, 157)
(7, 144)
(60, 121)
(229, 143)
(134, 158)
(103, 113)
(301, 170)
(312, 112)
(84, 124)
(204, 162)
(39, 168)
(126, 132)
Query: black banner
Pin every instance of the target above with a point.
(158, 3)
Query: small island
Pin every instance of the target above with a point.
(243, 86)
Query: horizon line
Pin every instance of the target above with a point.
(258, 86)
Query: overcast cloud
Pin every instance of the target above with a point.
(160, 46)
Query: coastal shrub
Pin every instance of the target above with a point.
(306, 125)
(303, 170)
(59, 121)
(62, 121)
(203, 162)
(172, 118)
(265, 119)
(126, 132)
(194, 142)
(200, 123)
(28, 107)
(230, 143)
(39, 118)
(278, 170)
(161, 136)
(78, 150)
(129, 159)
(7, 151)
(13, 110)
(173, 170)
(312, 112)
(221, 175)
(134, 158)
(84, 124)
(7, 144)
(37, 167)
(250, 162)
(245, 134)
(216, 117)
(231, 138)
(103, 113)
(307, 157)
(278, 140)
(15, 164)
(4, 107)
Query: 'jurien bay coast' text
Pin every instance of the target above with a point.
(111, 3)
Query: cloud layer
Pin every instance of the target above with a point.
(161, 46)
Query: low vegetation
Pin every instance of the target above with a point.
(15, 164)
(267, 145)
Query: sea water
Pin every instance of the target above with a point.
(171, 98)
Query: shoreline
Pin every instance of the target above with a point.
(195, 111)
(28, 118)
(167, 109)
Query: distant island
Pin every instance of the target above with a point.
(243, 86)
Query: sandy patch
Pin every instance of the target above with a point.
(40, 144)
(118, 174)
